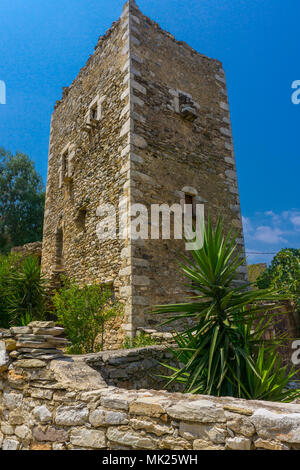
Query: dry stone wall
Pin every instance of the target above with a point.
(134, 368)
(62, 403)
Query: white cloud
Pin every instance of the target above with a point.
(269, 232)
(295, 219)
(247, 226)
(270, 235)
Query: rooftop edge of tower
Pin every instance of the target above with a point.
(131, 7)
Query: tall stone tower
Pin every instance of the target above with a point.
(146, 121)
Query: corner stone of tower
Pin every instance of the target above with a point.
(130, 4)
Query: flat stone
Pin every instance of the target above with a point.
(203, 411)
(240, 424)
(51, 434)
(200, 444)
(42, 414)
(71, 415)
(41, 324)
(150, 426)
(148, 406)
(269, 445)
(10, 444)
(23, 432)
(20, 330)
(88, 438)
(100, 417)
(12, 400)
(10, 344)
(4, 358)
(115, 401)
(76, 375)
(30, 364)
(277, 426)
(238, 443)
(56, 331)
(130, 438)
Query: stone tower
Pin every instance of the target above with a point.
(146, 121)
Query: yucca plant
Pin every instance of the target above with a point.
(26, 292)
(219, 351)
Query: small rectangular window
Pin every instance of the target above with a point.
(81, 219)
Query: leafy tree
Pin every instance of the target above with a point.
(83, 312)
(22, 200)
(284, 274)
(223, 352)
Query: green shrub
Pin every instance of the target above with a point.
(83, 312)
(140, 341)
(22, 291)
(224, 352)
(284, 275)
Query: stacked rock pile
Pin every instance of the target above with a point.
(38, 340)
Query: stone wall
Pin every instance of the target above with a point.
(63, 404)
(30, 249)
(133, 368)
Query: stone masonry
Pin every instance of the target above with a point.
(62, 403)
(146, 121)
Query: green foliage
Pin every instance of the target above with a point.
(22, 291)
(21, 201)
(219, 352)
(140, 341)
(270, 380)
(83, 312)
(284, 274)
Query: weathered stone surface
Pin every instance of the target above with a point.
(174, 443)
(7, 429)
(41, 324)
(10, 344)
(88, 438)
(23, 432)
(240, 424)
(148, 406)
(76, 375)
(21, 330)
(181, 138)
(203, 411)
(115, 401)
(29, 364)
(130, 438)
(55, 331)
(4, 358)
(18, 416)
(12, 400)
(151, 426)
(50, 434)
(100, 417)
(215, 434)
(269, 445)
(200, 444)
(238, 443)
(10, 444)
(39, 447)
(71, 415)
(42, 414)
(281, 427)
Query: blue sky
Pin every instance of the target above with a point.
(43, 44)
